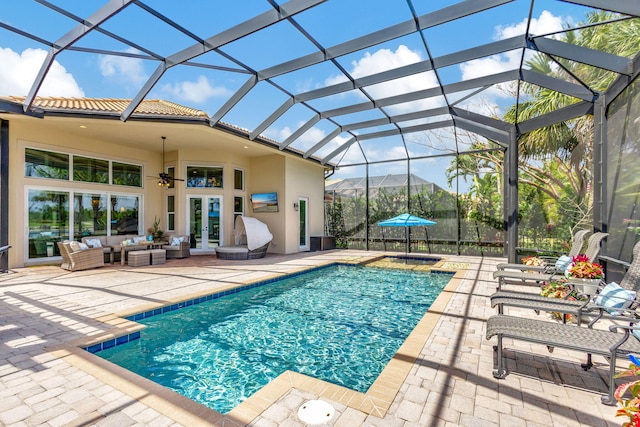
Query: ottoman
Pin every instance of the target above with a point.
(139, 258)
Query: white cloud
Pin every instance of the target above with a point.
(197, 91)
(387, 59)
(123, 69)
(18, 72)
(485, 103)
(545, 24)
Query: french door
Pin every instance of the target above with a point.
(204, 217)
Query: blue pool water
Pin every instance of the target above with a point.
(341, 324)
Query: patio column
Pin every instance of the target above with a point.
(4, 192)
(511, 196)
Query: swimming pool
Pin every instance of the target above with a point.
(341, 324)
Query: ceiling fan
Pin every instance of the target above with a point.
(164, 179)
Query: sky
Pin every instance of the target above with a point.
(79, 74)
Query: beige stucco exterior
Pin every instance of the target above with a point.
(139, 142)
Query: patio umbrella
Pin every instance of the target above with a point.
(406, 220)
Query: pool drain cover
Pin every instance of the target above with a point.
(315, 412)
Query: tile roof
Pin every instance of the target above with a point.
(113, 105)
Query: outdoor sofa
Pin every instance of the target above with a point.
(112, 245)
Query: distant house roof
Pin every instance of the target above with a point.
(150, 107)
(351, 186)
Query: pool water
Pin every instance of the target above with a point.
(341, 324)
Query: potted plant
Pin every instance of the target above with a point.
(155, 230)
(585, 274)
(561, 289)
(629, 407)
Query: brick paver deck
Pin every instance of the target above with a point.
(45, 380)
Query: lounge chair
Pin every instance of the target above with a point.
(523, 277)
(630, 282)
(252, 238)
(608, 343)
(576, 247)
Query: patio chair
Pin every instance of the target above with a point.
(79, 259)
(523, 277)
(630, 282)
(576, 247)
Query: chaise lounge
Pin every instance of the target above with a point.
(252, 239)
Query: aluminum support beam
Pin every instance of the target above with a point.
(583, 55)
(628, 7)
(299, 132)
(511, 197)
(244, 29)
(79, 31)
(338, 150)
(324, 141)
(447, 14)
(558, 85)
(500, 136)
(567, 113)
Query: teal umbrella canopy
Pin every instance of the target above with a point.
(406, 220)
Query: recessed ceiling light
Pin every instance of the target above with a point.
(246, 146)
(83, 126)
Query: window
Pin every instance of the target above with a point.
(48, 217)
(238, 179)
(171, 171)
(46, 164)
(203, 176)
(90, 215)
(238, 207)
(124, 215)
(171, 213)
(127, 174)
(86, 169)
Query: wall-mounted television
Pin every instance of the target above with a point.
(264, 202)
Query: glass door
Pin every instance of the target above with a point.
(204, 215)
(303, 220)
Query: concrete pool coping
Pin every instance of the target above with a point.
(376, 401)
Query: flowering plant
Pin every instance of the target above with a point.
(629, 407)
(586, 270)
(560, 289)
(533, 261)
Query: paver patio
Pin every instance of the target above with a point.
(46, 381)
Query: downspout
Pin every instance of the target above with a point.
(4, 192)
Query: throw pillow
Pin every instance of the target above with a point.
(75, 246)
(614, 296)
(83, 246)
(94, 243)
(176, 240)
(139, 239)
(563, 262)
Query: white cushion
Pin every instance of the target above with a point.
(75, 246)
(94, 243)
(83, 246)
(139, 239)
(176, 240)
(614, 296)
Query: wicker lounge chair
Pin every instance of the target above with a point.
(576, 247)
(523, 277)
(630, 281)
(608, 343)
(80, 259)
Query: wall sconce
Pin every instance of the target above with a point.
(295, 206)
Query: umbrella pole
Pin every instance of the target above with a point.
(406, 252)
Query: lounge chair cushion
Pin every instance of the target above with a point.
(614, 296)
